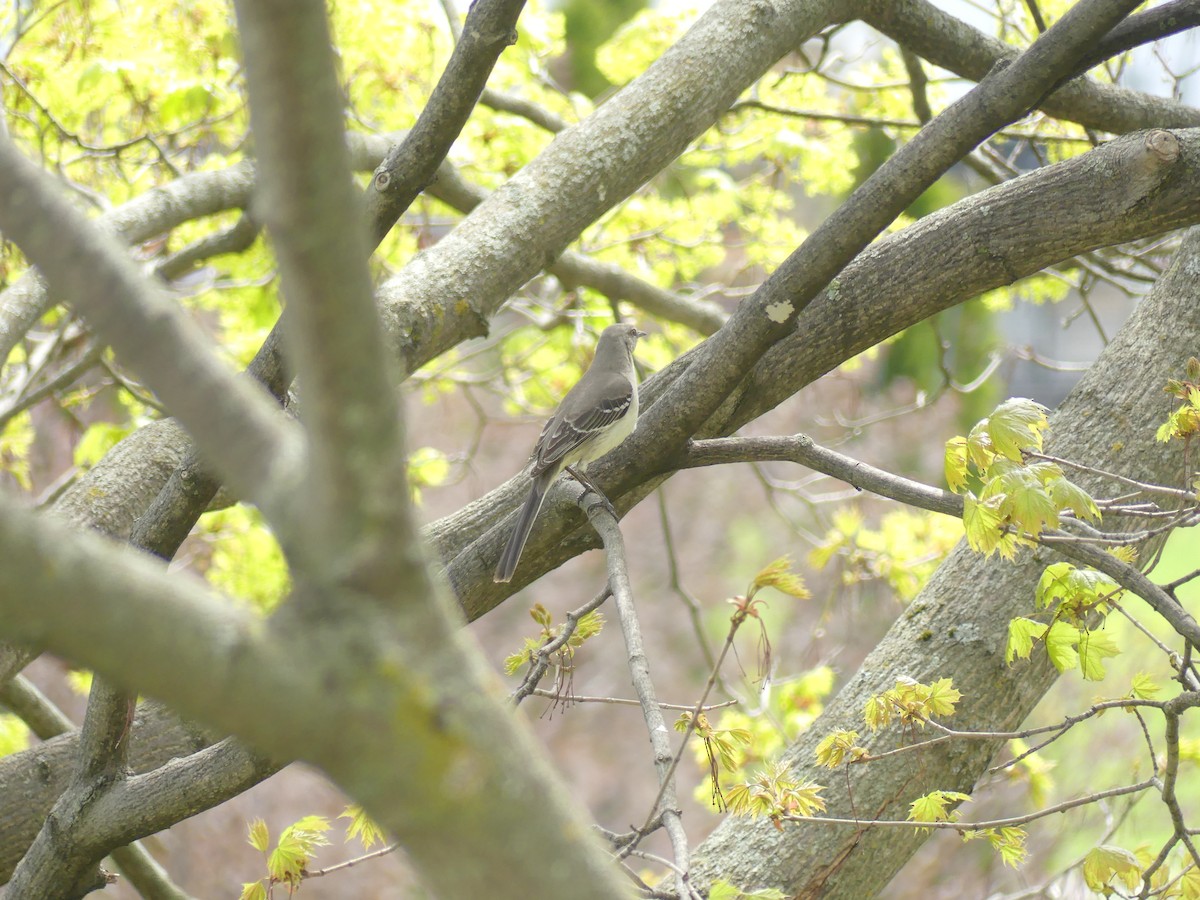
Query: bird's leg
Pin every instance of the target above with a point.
(590, 487)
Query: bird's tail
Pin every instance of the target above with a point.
(520, 533)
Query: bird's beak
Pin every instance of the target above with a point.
(641, 334)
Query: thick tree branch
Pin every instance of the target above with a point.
(766, 317)
(32, 780)
(1143, 28)
(449, 292)
(47, 721)
(574, 269)
(357, 494)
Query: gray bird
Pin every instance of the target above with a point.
(594, 417)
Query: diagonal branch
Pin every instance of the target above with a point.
(357, 492)
(667, 802)
(934, 35)
(411, 165)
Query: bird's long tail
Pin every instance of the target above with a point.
(520, 533)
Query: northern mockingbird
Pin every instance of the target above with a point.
(595, 416)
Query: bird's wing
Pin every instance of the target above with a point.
(581, 415)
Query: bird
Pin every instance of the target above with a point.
(595, 416)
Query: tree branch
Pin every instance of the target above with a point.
(666, 803)
(356, 495)
(766, 317)
(1108, 421)
(945, 41)
(410, 166)
(450, 292)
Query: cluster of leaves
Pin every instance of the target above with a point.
(1184, 421)
(739, 739)
(287, 863)
(245, 561)
(910, 703)
(903, 551)
(1111, 870)
(774, 793)
(1008, 841)
(1008, 500)
(1078, 599)
(586, 626)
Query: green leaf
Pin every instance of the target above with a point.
(296, 845)
(1061, 640)
(362, 827)
(1094, 648)
(587, 626)
(933, 806)
(1077, 590)
(1021, 635)
(956, 464)
(1069, 496)
(259, 837)
(253, 890)
(1106, 861)
(983, 522)
(834, 748)
(1026, 502)
(1017, 425)
(779, 576)
(942, 698)
(514, 661)
(1144, 687)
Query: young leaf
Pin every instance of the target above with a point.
(956, 464)
(834, 748)
(296, 845)
(983, 522)
(942, 698)
(1144, 687)
(1061, 640)
(258, 836)
(1021, 635)
(362, 827)
(1017, 425)
(1094, 647)
(780, 576)
(1106, 861)
(932, 807)
(1069, 496)
(253, 890)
